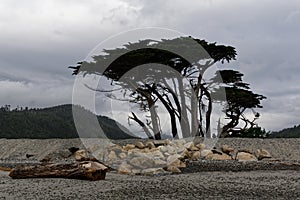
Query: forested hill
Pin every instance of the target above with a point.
(287, 133)
(53, 122)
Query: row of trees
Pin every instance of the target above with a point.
(175, 83)
(293, 132)
(53, 122)
(7, 108)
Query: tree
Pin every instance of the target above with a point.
(170, 80)
(252, 132)
(239, 98)
(5, 108)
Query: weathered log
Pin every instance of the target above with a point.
(5, 169)
(84, 170)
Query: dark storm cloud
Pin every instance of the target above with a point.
(39, 39)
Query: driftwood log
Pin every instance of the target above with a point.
(84, 170)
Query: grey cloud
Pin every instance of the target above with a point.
(40, 39)
(29, 94)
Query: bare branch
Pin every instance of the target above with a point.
(146, 130)
(98, 90)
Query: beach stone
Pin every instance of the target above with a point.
(194, 148)
(152, 171)
(180, 142)
(205, 152)
(227, 149)
(139, 145)
(117, 148)
(189, 154)
(145, 150)
(136, 171)
(129, 147)
(153, 149)
(182, 165)
(112, 156)
(180, 149)
(142, 162)
(150, 145)
(94, 148)
(195, 155)
(218, 157)
(81, 154)
(216, 151)
(167, 142)
(124, 168)
(168, 149)
(173, 169)
(173, 158)
(245, 150)
(185, 154)
(160, 163)
(200, 146)
(262, 154)
(189, 145)
(101, 154)
(244, 156)
(135, 153)
(158, 143)
(156, 154)
(163, 149)
(177, 163)
(122, 155)
(151, 154)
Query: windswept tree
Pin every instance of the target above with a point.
(239, 99)
(168, 79)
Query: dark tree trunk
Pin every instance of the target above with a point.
(154, 116)
(173, 124)
(208, 113)
(233, 123)
(137, 120)
(170, 110)
(154, 119)
(194, 117)
(185, 126)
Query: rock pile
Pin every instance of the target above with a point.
(165, 156)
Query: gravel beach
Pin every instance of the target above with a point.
(220, 181)
(210, 185)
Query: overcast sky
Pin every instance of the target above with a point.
(39, 39)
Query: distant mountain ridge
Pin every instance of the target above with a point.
(54, 122)
(293, 132)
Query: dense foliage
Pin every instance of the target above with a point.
(287, 133)
(253, 132)
(189, 104)
(53, 122)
